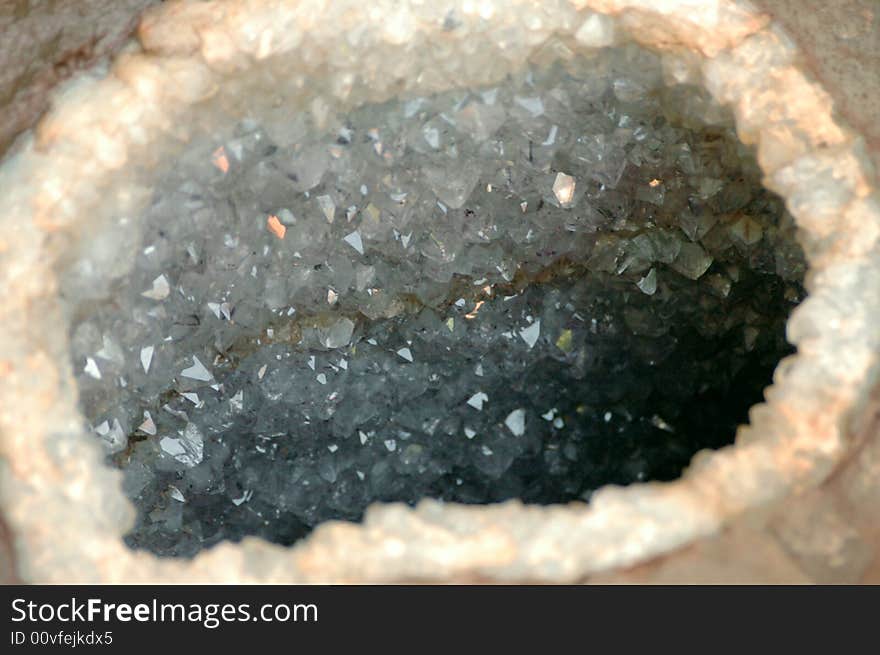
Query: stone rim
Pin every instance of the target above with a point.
(65, 507)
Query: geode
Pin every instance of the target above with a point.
(292, 234)
(527, 291)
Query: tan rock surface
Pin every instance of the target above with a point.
(42, 44)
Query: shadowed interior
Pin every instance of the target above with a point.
(526, 291)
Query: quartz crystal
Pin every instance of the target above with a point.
(523, 291)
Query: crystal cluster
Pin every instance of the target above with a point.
(522, 291)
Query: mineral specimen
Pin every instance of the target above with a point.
(525, 291)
